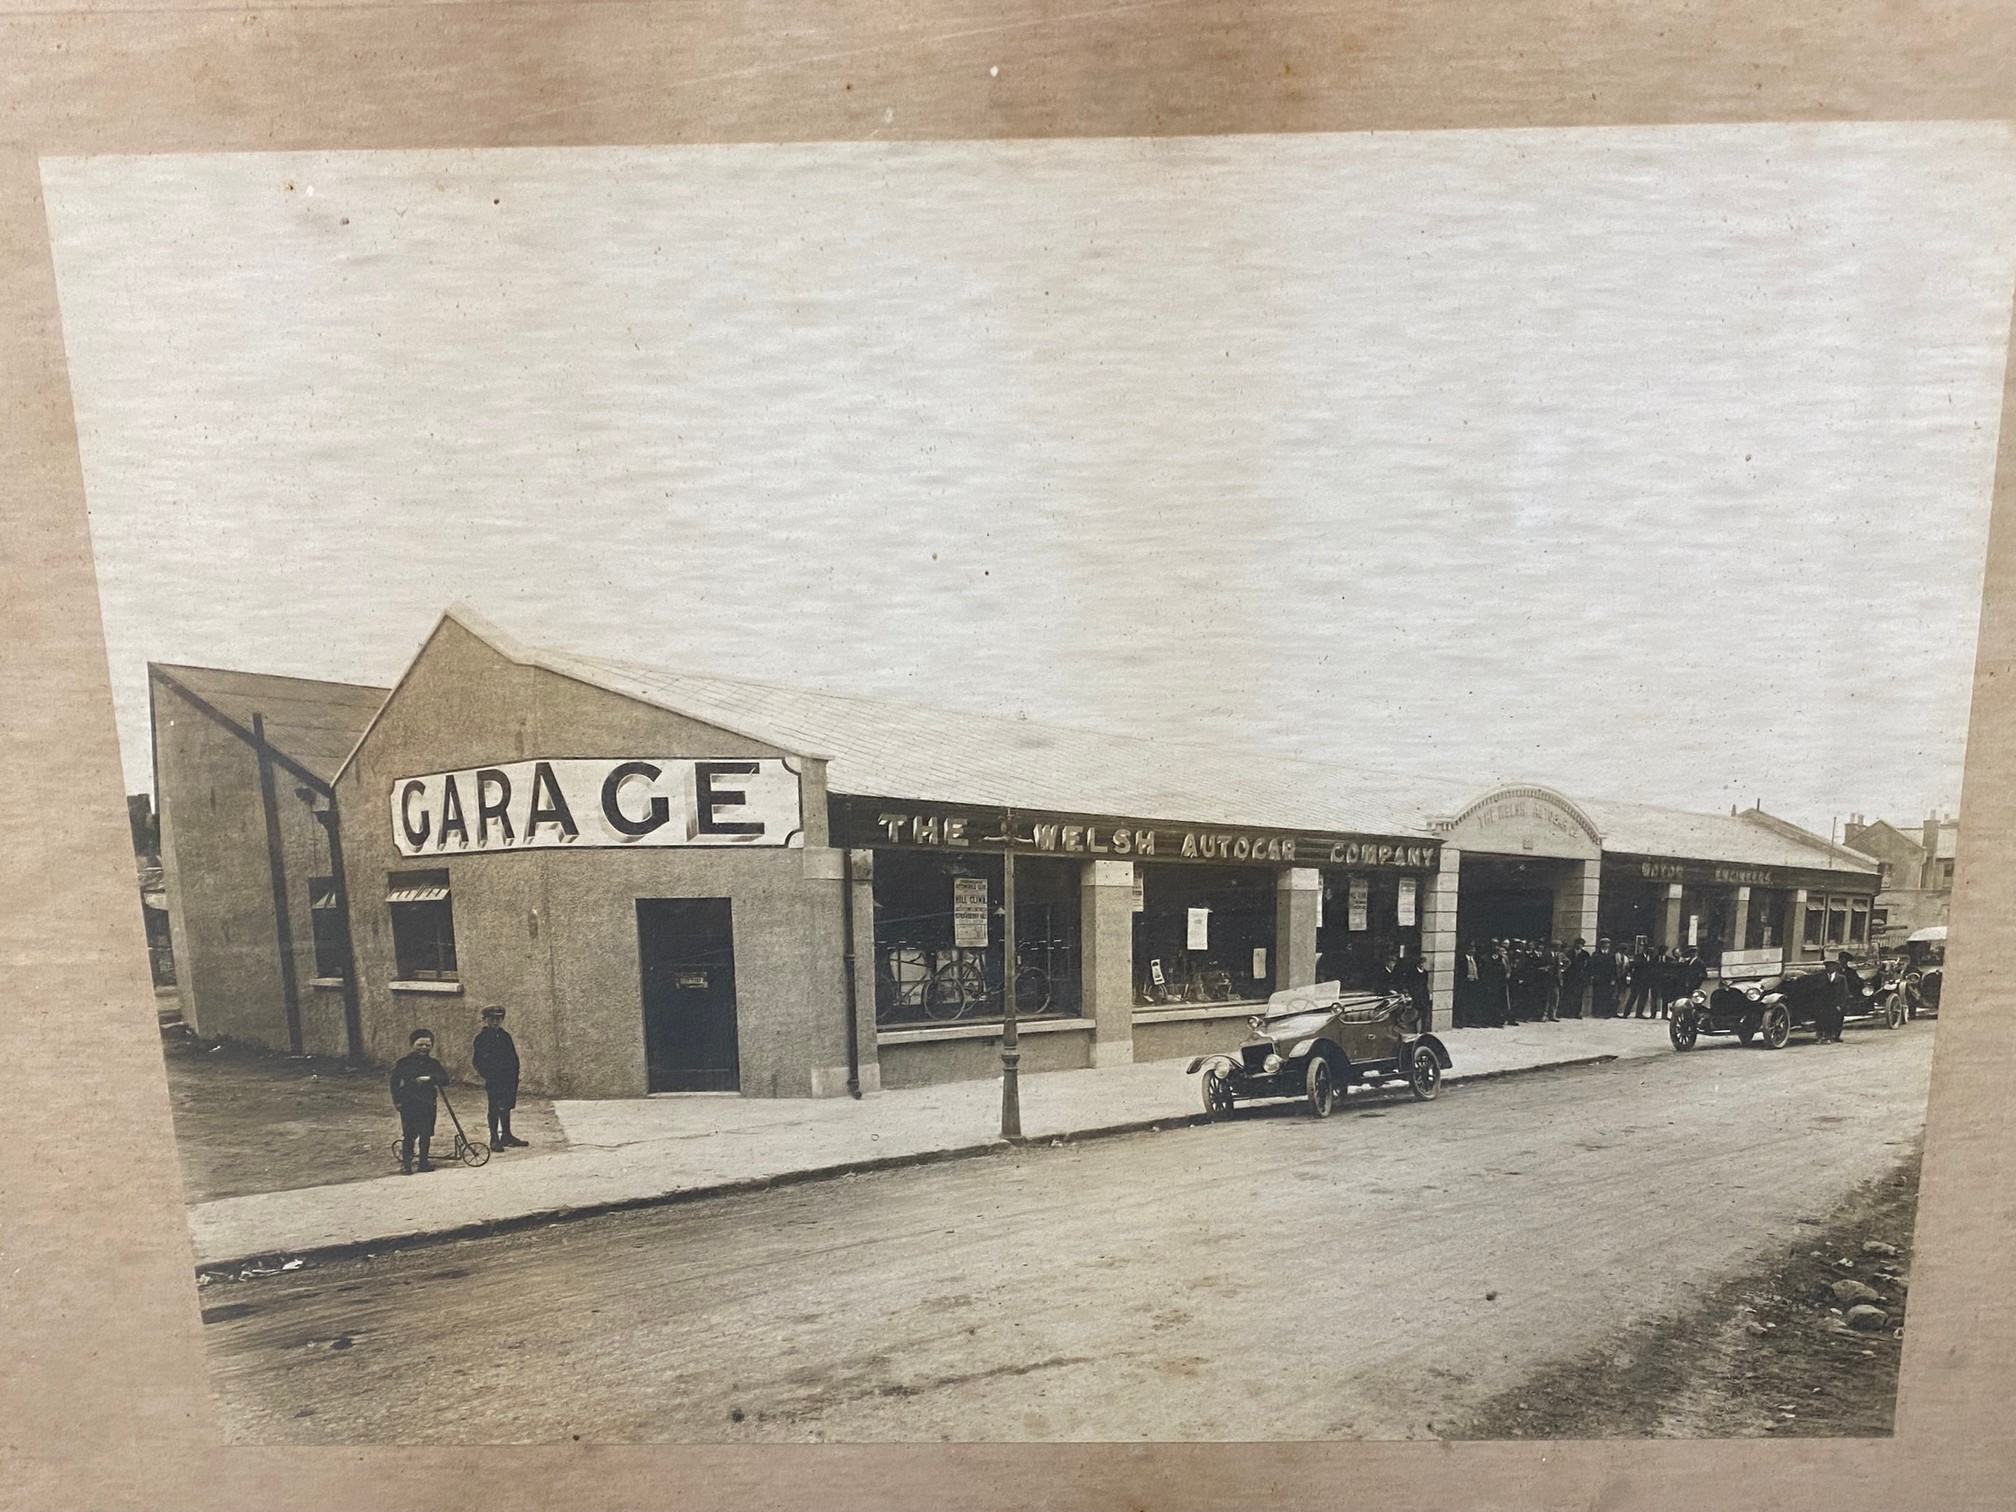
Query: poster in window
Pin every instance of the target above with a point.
(1200, 929)
(1259, 963)
(1361, 903)
(1409, 889)
(969, 912)
(1140, 893)
(1693, 930)
(1322, 892)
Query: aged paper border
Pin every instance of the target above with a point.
(103, 1398)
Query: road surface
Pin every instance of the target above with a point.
(1272, 1278)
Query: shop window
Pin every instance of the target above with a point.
(423, 926)
(325, 916)
(939, 938)
(1362, 926)
(1816, 924)
(1837, 921)
(1858, 923)
(1205, 934)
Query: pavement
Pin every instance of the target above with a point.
(646, 1151)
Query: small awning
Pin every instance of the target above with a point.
(328, 899)
(1933, 933)
(416, 895)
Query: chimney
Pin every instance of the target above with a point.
(1931, 835)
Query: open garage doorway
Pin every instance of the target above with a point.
(1509, 897)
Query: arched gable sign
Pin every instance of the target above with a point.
(1525, 820)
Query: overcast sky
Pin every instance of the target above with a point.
(1652, 463)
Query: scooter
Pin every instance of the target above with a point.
(469, 1152)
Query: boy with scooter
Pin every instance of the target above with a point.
(417, 1079)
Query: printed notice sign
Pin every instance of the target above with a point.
(969, 912)
(1361, 903)
(605, 802)
(1259, 963)
(1409, 891)
(1200, 929)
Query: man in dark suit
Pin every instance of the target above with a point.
(495, 1057)
(417, 1080)
(1498, 986)
(1603, 980)
(1575, 981)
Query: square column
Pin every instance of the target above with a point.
(1669, 921)
(1106, 958)
(1438, 938)
(1575, 908)
(1296, 898)
(1795, 920)
(861, 864)
(1739, 927)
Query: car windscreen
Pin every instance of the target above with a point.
(1302, 1021)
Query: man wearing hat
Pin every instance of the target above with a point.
(417, 1079)
(495, 1057)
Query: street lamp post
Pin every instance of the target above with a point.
(1011, 1049)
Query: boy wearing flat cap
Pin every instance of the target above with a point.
(495, 1057)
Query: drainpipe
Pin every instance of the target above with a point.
(847, 958)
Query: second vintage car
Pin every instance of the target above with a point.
(1314, 1042)
(1767, 1009)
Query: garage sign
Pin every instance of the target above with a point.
(596, 803)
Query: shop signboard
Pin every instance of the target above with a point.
(602, 802)
(1361, 903)
(1409, 902)
(1726, 874)
(969, 912)
(876, 822)
(1199, 936)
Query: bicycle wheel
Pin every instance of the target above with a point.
(1032, 990)
(953, 990)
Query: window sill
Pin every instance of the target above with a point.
(451, 987)
(1188, 1012)
(980, 1031)
(329, 984)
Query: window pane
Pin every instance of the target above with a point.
(1816, 919)
(1837, 923)
(423, 940)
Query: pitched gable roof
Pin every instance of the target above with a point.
(315, 723)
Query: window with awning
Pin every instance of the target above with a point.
(423, 925)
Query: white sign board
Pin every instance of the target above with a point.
(1200, 929)
(1752, 963)
(1361, 903)
(1259, 963)
(969, 912)
(1694, 929)
(1409, 893)
(600, 802)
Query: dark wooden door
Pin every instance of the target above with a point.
(686, 956)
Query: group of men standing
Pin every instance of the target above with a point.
(1512, 981)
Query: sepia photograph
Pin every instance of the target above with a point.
(803, 792)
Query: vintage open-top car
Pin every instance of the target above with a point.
(1924, 972)
(1768, 1008)
(1314, 1042)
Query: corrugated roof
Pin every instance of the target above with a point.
(876, 748)
(1644, 829)
(879, 748)
(314, 722)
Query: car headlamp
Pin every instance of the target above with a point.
(1752, 993)
(1271, 1064)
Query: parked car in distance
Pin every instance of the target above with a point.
(1924, 972)
(1315, 1042)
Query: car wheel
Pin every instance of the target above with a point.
(1320, 1082)
(1893, 1012)
(1776, 1027)
(1424, 1074)
(1683, 1030)
(1217, 1093)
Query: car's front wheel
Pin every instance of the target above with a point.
(1893, 1011)
(1217, 1089)
(1776, 1027)
(1320, 1083)
(1683, 1029)
(1424, 1074)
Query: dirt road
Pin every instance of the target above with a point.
(1373, 1275)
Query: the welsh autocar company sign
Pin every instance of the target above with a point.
(613, 802)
